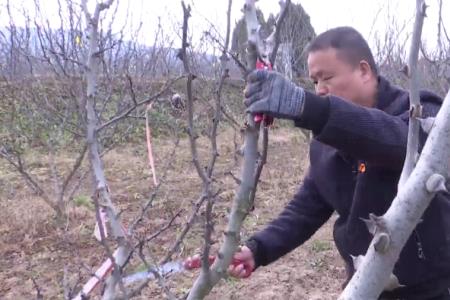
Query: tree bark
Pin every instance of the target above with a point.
(100, 183)
(241, 203)
(412, 152)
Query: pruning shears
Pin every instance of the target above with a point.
(262, 64)
(169, 268)
(173, 267)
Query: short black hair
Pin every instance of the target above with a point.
(349, 43)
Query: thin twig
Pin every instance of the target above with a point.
(198, 204)
(148, 204)
(190, 101)
(277, 40)
(412, 150)
(148, 100)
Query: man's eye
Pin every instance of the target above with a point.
(328, 78)
(315, 82)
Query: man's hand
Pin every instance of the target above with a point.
(270, 93)
(245, 256)
(242, 265)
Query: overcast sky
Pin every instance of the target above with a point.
(369, 17)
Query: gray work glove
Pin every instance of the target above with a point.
(270, 93)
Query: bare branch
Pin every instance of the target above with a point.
(415, 106)
(32, 183)
(218, 101)
(276, 35)
(404, 214)
(101, 186)
(126, 113)
(190, 100)
(148, 204)
(241, 204)
(74, 169)
(225, 51)
(198, 204)
(39, 295)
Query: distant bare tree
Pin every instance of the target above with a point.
(295, 33)
(44, 105)
(391, 55)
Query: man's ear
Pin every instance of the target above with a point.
(365, 70)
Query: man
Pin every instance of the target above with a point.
(360, 126)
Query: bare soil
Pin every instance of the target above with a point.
(39, 254)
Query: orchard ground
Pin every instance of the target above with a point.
(37, 253)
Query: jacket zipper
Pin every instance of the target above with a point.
(420, 252)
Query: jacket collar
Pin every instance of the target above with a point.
(386, 93)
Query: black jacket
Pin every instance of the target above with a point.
(356, 158)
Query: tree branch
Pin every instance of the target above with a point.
(412, 151)
(101, 186)
(241, 203)
(402, 217)
(392, 230)
(283, 12)
(164, 89)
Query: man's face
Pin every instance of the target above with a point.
(334, 76)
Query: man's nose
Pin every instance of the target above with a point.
(321, 89)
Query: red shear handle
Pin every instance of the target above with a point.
(260, 65)
(196, 262)
(268, 120)
(247, 268)
(258, 118)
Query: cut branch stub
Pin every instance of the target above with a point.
(415, 111)
(436, 183)
(393, 283)
(375, 224)
(382, 242)
(357, 261)
(423, 9)
(426, 124)
(377, 227)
